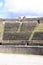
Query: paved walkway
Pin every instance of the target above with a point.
(17, 59)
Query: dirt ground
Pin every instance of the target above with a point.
(18, 59)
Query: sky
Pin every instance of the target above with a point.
(15, 8)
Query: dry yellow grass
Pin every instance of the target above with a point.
(1, 30)
(39, 28)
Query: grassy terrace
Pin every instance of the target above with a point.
(39, 28)
(37, 33)
(1, 31)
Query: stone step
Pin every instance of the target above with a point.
(37, 50)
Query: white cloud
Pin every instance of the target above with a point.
(24, 5)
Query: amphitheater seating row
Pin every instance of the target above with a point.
(24, 27)
(28, 27)
(10, 31)
(16, 36)
(38, 36)
(11, 27)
